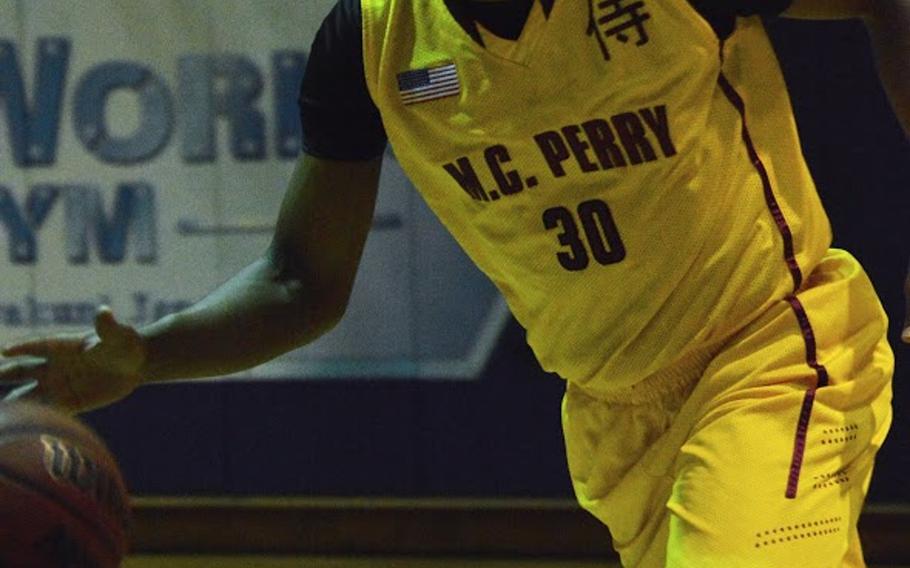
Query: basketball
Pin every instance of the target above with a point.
(63, 502)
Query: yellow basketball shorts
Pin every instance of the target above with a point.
(757, 454)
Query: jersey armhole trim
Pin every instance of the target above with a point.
(366, 25)
(704, 27)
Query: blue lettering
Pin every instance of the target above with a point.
(220, 86)
(33, 131)
(22, 226)
(287, 72)
(133, 219)
(156, 114)
(213, 89)
(38, 313)
(11, 315)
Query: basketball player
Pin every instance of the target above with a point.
(628, 173)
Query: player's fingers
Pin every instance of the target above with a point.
(34, 391)
(35, 347)
(22, 369)
(107, 327)
(29, 391)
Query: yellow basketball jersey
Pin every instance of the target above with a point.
(634, 188)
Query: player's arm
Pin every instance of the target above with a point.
(294, 293)
(888, 22)
(299, 289)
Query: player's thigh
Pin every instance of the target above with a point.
(730, 506)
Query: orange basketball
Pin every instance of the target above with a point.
(63, 502)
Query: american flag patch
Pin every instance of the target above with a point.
(431, 83)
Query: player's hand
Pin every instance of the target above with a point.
(77, 372)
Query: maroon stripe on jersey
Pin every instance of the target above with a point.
(821, 373)
(770, 199)
(809, 337)
(802, 425)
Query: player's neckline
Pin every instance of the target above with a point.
(519, 51)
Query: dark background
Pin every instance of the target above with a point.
(500, 435)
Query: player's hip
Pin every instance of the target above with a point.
(829, 338)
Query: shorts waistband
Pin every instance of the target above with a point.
(671, 381)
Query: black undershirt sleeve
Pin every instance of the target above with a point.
(337, 115)
(761, 7)
(722, 14)
(339, 118)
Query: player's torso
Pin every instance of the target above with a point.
(595, 170)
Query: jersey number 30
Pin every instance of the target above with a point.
(600, 237)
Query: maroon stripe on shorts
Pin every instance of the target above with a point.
(770, 199)
(802, 426)
(799, 446)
